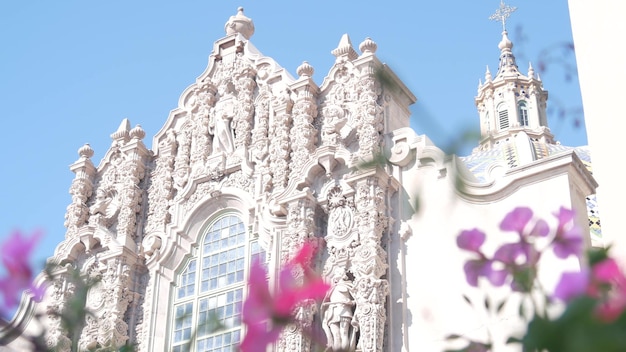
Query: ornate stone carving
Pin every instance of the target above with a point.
(369, 115)
(133, 172)
(369, 264)
(112, 329)
(220, 123)
(161, 186)
(260, 139)
(340, 219)
(81, 189)
(144, 315)
(334, 120)
(56, 337)
(279, 148)
(245, 85)
(300, 228)
(182, 169)
(303, 134)
(371, 295)
(337, 312)
(253, 131)
(201, 143)
(240, 180)
(106, 205)
(201, 191)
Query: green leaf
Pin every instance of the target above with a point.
(596, 255)
(500, 306)
(521, 312)
(468, 300)
(513, 339)
(453, 337)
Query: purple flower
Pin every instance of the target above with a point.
(15, 253)
(571, 285)
(568, 242)
(471, 240)
(516, 220)
(564, 216)
(509, 253)
(517, 254)
(520, 259)
(476, 268)
(541, 229)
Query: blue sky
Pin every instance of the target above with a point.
(72, 70)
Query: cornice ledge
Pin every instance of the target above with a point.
(549, 167)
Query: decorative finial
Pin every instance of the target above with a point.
(137, 133)
(305, 70)
(345, 48)
(85, 152)
(239, 24)
(122, 131)
(503, 13)
(368, 46)
(487, 75)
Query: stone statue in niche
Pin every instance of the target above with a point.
(337, 312)
(220, 125)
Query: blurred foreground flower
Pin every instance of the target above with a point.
(265, 314)
(594, 315)
(518, 260)
(15, 253)
(605, 282)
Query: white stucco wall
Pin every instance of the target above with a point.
(434, 274)
(598, 29)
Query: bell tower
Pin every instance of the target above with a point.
(511, 102)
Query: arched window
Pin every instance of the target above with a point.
(210, 289)
(503, 116)
(522, 112)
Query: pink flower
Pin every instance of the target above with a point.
(261, 308)
(604, 282)
(613, 304)
(15, 253)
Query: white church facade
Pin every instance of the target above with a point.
(254, 162)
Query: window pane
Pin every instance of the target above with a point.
(182, 322)
(187, 280)
(207, 320)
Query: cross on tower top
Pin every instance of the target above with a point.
(503, 13)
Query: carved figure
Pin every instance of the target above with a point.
(338, 321)
(220, 125)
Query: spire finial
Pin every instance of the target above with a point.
(531, 70)
(502, 13)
